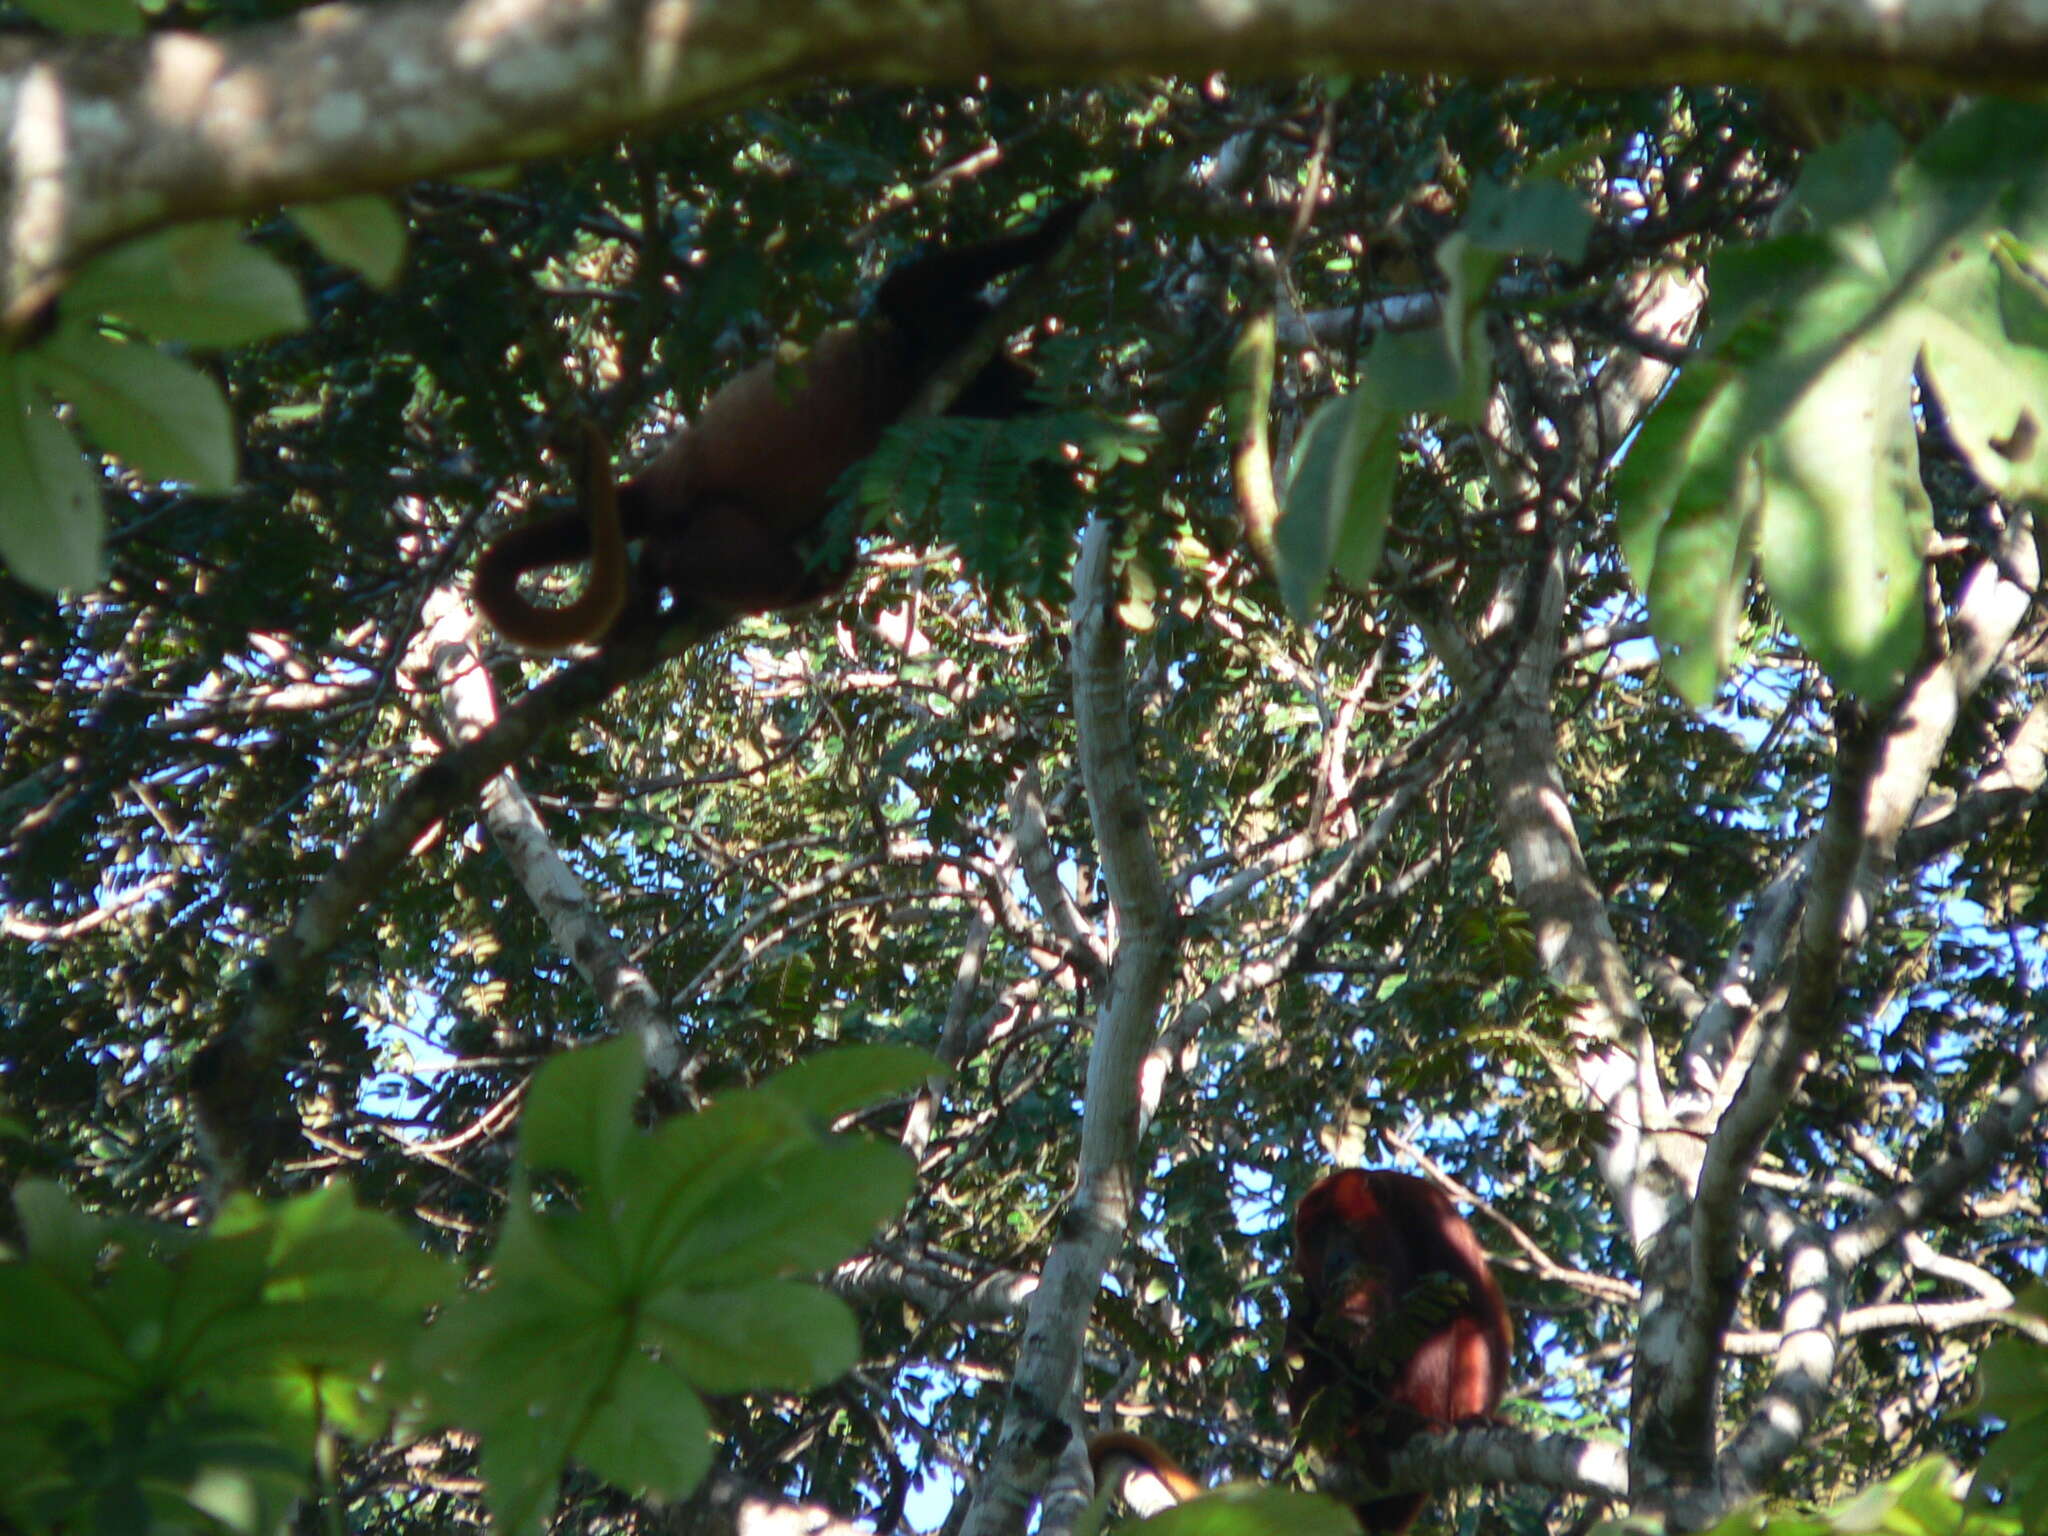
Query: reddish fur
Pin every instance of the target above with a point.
(727, 510)
(1390, 1232)
(1116, 1455)
(727, 502)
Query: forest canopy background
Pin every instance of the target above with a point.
(1191, 873)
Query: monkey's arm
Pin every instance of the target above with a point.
(929, 293)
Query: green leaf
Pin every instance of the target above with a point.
(524, 1369)
(197, 283)
(689, 1161)
(162, 417)
(1460, 350)
(1251, 1509)
(2022, 292)
(343, 1298)
(650, 1433)
(579, 1111)
(781, 1335)
(1818, 333)
(1249, 397)
(798, 1215)
(2012, 1389)
(1687, 506)
(111, 18)
(832, 1083)
(365, 233)
(1540, 215)
(575, 1256)
(52, 528)
(1850, 178)
(62, 1240)
(1993, 386)
(527, 1375)
(59, 1353)
(205, 1316)
(1845, 519)
(1339, 499)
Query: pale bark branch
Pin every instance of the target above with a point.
(1147, 930)
(107, 138)
(470, 705)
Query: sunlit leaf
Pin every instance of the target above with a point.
(161, 416)
(196, 283)
(52, 530)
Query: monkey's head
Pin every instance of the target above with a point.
(1346, 1243)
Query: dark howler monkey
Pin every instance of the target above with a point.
(724, 511)
(1401, 1328)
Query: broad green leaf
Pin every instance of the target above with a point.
(2012, 1392)
(523, 1457)
(1696, 592)
(197, 283)
(650, 1432)
(692, 1159)
(513, 1357)
(1992, 140)
(579, 1111)
(576, 1256)
(1362, 534)
(253, 1494)
(1411, 371)
(52, 529)
(1818, 333)
(527, 1378)
(2022, 292)
(1845, 519)
(1655, 465)
(831, 1083)
(322, 1244)
(1541, 215)
(1686, 509)
(108, 18)
(799, 1215)
(213, 1284)
(1461, 345)
(1992, 385)
(59, 1353)
(780, 1335)
(160, 416)
(365, 233)
(1851, 177)
(63, 1241)
(1251, 1509)
(1324, 497)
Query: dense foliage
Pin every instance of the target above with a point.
(867, 823)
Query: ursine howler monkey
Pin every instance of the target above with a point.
(724, 511)
(1401, 1327)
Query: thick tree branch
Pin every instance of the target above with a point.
(236, 1080)
(470, 705)
(107, 138)
(1035, 1420)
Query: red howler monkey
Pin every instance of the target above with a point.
(1401, 1328)
(724, 510)
(1144, 1475)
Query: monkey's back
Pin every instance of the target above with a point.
(778, 437)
